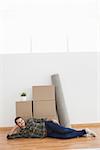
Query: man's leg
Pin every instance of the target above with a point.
(73, 134)
(51, 126)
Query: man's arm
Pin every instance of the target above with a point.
(37, 120)
(42, 120)
(45, 119)
(14, 133)
(13, 130)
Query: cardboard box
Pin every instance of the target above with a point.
(44, 102)
(44, 108)
(43, 92)
(24, 109)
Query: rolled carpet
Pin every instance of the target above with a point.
(60, 101)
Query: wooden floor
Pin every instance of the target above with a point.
(50, 143)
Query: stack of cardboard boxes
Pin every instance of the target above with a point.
(42, 106)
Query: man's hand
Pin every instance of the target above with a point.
(55, 121)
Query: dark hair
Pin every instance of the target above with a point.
(17, 119)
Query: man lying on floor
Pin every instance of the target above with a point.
(40, 128)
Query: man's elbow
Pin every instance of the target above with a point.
(10, 136)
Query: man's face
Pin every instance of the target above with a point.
(20, 122)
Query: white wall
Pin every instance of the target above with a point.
(78, 72)
(54, 25)
(98, 76)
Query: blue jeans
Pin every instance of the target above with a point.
(55, 130)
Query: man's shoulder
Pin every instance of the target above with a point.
(29, 120)
(36, 120)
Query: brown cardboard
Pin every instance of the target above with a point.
(44, 108)
(24, 109)
(44, 102)
(46, 92)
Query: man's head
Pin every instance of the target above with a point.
(20, 122)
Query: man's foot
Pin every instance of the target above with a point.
(90, 132)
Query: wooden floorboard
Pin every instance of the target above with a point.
(51, 143)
